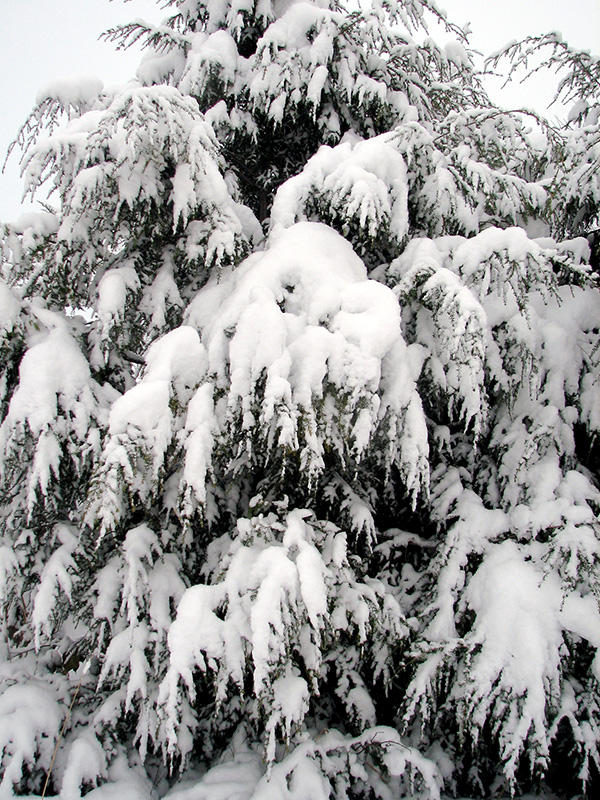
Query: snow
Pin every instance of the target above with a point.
(456, 54)
(9, 308)
(300, 311)
(175, 361)
(112, 294)
(54, 381)
(290, 705)
(274, 578)
(74, 90)
(145, 408)
(232, 780)
(31, 717)
(56, 577)
(86, 763)
(514, 241)
(158, 68)
(365, 180)
(125, 142)
(215, 51)
(124, 783)
(32, 225)
(518, 627)
(145, 419)
(177, 358)
(580, 616)
(201, 427)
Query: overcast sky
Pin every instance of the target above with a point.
(41, 40)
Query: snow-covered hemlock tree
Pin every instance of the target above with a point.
(299, 396)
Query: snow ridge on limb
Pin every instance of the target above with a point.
(280, 585)
(109, 157)
(305, 372)
(54, 420)
(279, 80)
(573, 186)
(359, 187)
(381, 191)
(142, 198)
(71, 96)
(132, 468)
(312, 364)
(531, 523)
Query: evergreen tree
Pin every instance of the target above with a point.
(299, 395)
